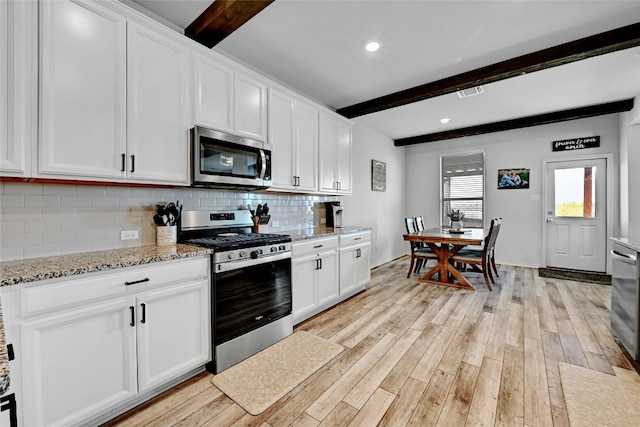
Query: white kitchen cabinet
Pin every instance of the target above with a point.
(250, 107)
(314, 277)
(114, 97)
(158, 119)
(355, 264)
(83, 90)
(18, 86)
(293, 132)
(335, 142)
(99, 341)
(213, 84)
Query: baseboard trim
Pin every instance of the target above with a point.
(578, 276)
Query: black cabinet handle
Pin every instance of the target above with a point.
(144, 313)
(133, 315)
(358, 253)
(124, 161)
(133, 163)
(146, 279)
(317, 246)
(320, 263)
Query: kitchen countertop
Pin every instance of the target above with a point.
(633, 244)
(317, 232)
(32, 270)
(4, 359)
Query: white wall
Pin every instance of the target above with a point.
(629, 181)
(382, 211)
(520, 241)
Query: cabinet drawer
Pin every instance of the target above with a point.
(314, 246)
(354, 239)
(43, 298)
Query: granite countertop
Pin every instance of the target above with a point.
(633, 244)
(31, 270)
(317, 232)
(4, 359)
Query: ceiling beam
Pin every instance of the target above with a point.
(599, 44)
(523, 122)
(222, 18)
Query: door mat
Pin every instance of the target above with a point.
(260, 381)
(597, 399)
(578, 276)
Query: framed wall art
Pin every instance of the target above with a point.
(513, 178)
(378, 175)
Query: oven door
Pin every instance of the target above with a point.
(250, 294)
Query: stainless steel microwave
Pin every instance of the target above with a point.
(222, 160)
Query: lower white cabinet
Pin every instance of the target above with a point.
(355, 266)
(86, 352)
(314, 277)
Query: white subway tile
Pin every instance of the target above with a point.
(75, 247)
(21, 214)
(82, 235)
(75, 201)
(104, 202)
(90, 190)
(58, 213)
(58, 236)
(22, 188)
(104, 245)
(11, 254)
(41, 250)
(23, 239)
(12, 201)
(60, 189)
(12, 227)
(40, 201)
(32, 226)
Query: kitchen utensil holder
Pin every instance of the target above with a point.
(166, 235)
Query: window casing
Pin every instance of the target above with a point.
(462, 187)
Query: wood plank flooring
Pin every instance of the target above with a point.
(428, 355)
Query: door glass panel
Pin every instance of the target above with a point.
(575, 192)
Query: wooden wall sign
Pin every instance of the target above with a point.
(576, 143)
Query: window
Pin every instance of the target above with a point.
(575, 192)
(462, 180)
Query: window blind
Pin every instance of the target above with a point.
(462, 180)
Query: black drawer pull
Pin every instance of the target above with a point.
(146, 279)
(317, 246)
(124, 160)
(144, 313)
(133, 315)
(358, 238)
(133, 163)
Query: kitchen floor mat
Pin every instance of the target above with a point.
(260, 381)
(597, 399)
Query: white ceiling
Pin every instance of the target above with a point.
(316, 48)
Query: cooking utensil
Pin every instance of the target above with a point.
(259, 210)
(158, 220)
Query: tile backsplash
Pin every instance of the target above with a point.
(39, 220)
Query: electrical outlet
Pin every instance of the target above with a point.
(129, 235)
(323, 220)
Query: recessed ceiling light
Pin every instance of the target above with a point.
(445, 120)
(372, 45)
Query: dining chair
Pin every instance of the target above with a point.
(419, 223)
(419, 255)
(484, 259)
(477, 250)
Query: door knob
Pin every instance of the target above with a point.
(549, 219)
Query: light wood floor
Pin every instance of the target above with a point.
(420, 355)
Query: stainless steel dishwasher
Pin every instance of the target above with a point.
(625, 298)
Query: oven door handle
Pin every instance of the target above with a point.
(263, 164)
(236, 265)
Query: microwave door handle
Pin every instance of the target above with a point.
(263, 164)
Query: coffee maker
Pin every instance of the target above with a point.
(334, 214)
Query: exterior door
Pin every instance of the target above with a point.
(576, 214)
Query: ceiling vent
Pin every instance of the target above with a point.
(465, 93)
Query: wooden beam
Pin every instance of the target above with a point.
(222, 18)
(540, 119)
(599, 44)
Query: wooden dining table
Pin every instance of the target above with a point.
(445, 244)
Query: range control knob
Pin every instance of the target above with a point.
(282, 247)
(274, 249)
(231, 255)
(256, 253)
(242, 254)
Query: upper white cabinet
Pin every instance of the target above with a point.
(83, 90)
(158, 83)
(250, 107)
(335, 155)
(114, 97)
(293, 132)
(18, 94)
(229, 100)
(213, 98)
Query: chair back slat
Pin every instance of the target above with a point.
(419, 223)
(410, 224)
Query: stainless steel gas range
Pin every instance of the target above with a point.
(251, 283)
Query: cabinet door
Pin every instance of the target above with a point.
(343, 157)
(213, 94)
(303, 272)
(306, 138)
(328, 130)
(250, 114)
(157, 119)
(355, 270)
(83, 89)
(327, 279)
(363, 266)
(18, 87)
(174, 332)
(281, 136)
(81, 362)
